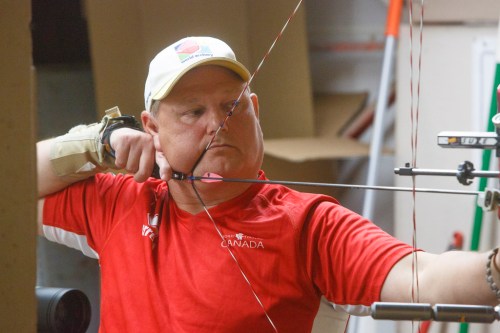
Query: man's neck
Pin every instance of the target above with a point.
(212, 194)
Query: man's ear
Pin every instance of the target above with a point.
(162, 168)
(149, 123)
(255, 103)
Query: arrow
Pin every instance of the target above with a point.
(211, 177)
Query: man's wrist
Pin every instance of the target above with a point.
(493, 272)
(80, 153)
(114, 124)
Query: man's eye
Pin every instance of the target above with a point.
(194, 113)
(233, 105)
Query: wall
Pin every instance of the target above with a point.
(18, 181)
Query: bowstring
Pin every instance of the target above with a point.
(226, 118)
(414, 115)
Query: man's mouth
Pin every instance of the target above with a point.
(218, 146)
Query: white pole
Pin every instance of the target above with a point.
(367, 324)
(378, 127)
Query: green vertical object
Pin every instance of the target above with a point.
(476, 230)
(485, 165)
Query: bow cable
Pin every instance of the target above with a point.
(414, 115)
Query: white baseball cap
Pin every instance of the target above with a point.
(177, 59)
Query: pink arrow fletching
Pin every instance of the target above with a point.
(214, 178)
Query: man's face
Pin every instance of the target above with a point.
(193, 111)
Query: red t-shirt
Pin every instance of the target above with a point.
(163, 269)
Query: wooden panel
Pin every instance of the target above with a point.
(17, 184)
(117, 52)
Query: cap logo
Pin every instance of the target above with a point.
(191, 49)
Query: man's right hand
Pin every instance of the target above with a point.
(134, 152)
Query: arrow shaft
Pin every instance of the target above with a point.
(348, 186)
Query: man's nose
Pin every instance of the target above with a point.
(218, 119)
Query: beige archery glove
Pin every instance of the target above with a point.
(85, 150)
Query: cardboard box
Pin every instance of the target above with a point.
(314, 158)
(458, 11)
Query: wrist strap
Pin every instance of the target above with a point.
(114, 124)
(489, 276)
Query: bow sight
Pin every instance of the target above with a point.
(465, 171)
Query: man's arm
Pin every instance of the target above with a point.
(134, 151)
(48, 181)
(454, 277)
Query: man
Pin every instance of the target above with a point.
(179, 255)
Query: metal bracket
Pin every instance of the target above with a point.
(489, 200)
(464, 173)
